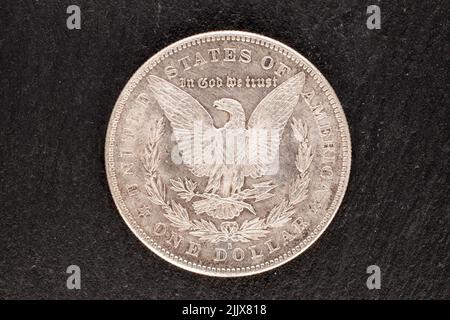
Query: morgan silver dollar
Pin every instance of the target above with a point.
(228, 153)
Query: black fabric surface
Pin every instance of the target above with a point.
(58, 88)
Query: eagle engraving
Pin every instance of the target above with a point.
(253, 154)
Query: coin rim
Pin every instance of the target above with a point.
(195, 40)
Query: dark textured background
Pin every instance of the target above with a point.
(58, 88)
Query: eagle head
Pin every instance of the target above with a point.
(228, 105)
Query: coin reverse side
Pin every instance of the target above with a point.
(228, 153)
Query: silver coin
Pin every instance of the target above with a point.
(228, 153)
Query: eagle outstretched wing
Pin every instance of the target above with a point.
(269, 119)
(184, 113)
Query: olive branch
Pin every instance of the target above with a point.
(259, 191)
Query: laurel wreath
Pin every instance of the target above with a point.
(251, 229)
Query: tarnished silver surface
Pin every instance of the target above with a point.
(228, 153)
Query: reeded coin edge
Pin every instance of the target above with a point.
(198, 40)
